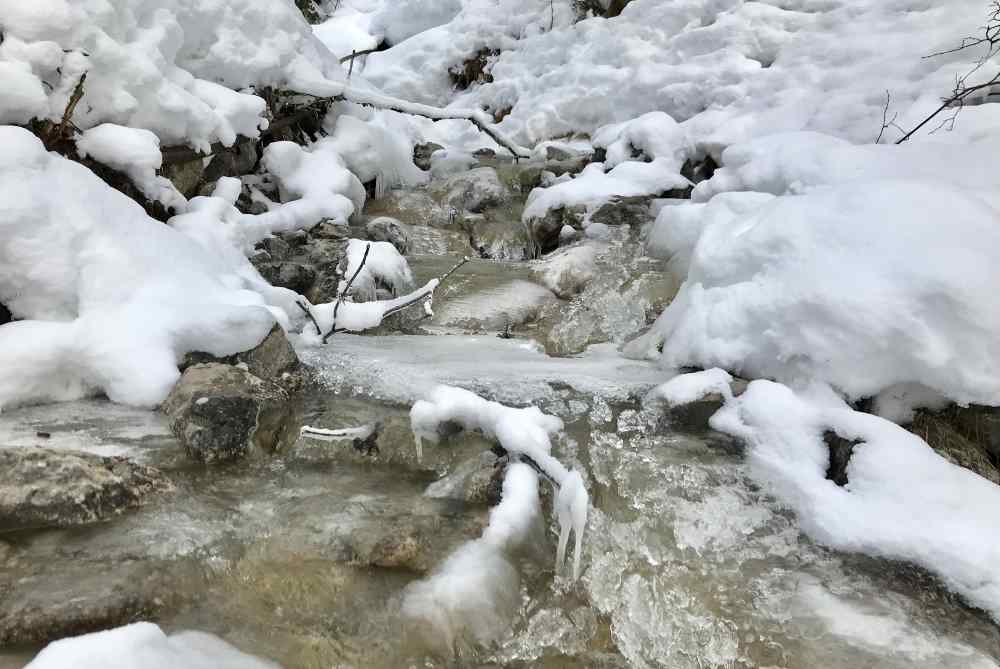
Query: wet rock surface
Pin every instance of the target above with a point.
(41, 487)
(272, 359)
(221, 413)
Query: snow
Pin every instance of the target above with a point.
(727, 70)
(687, 388)
(859, 285)
(375, 151)
(521, 432)
(136, 152)
(902, 501)
(383, 265)
(169, 66)
(655, 136)
(145, 645)
(112, 299)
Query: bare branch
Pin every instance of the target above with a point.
(343, 294)
(309, 313)
(886, 122)
(957, 99)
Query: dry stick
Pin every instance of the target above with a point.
(886, 122)
(343, 294)
(358, 54)
(310, 315)
(959, 97)
(74, 100)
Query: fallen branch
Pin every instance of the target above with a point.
(364, 438)
(956, 101)
(427, 292)
(343, 293)
(358, 54)
(310, 315)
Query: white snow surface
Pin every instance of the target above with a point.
(902, 501)
(878, 275)
(136, 152)
(174, 67)
(728, 70)
(111, 298)
(145, 645)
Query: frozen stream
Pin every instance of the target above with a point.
(686, 563)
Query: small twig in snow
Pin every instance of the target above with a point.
(309, 313)
(343, 294)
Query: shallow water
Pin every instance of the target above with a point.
(304, 556)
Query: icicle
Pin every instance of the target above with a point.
(571, 508)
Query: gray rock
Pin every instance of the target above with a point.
(187, 177)
(42, 487)
(965, 436)
(545, 231)
(422, 154)
(276, 248)
(413, 207)
(498, 240)
(555, 153)
(85, 597)
(982, 425)
(330, 230)
(292, 275)
(388, 229)
(5, 315)
(693, 416)
(221, 413)
(841, 451)
(476, 190)
(271, 359)
(632, 211)
(295, 238)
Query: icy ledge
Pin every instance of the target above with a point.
(476, 588)
(903, 501)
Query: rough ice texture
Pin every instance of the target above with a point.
(145, 645)
(729, 69)
(170, 66)
(902, 500)
(111, 298)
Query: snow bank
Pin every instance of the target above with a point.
(729, 69)
(112, 299)
(169, 66)
(902, 501)
(135, 152)
(145, 645)
(864, 286)
(376, 151)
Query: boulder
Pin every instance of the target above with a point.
(476, 190)
(633, 211)
(388, 229)
(330, 230)
(292, 275)
(693, 416)
(422, 154)
(221, 413)
(271, 359)
(962, 435)
(276, 248)
(42, 487)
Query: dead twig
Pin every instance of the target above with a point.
(61, 131)
(343, 294)
(309, 313)
(887, 122)
(956, 101)
(423, 296)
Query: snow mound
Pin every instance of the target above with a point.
(135, 152)
(111, 298)
(729, 69)
(902, 501)
(864, 286)
(145, 645)
(169, 66)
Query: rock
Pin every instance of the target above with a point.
(276, 248)
(271, 359)
(413, 207)
(475, 69)
(693, 416)
(598, 231)
(221, 413)
(498, 240)
(187, 177)
(633, 211)
(295, 238)
(840, 456)
(42, 487)
(234, 161)
(326, 289)
(387, 229)
(5, 315)
(292, 275)
(87, 597)
(556, 153)
(963, 437)
(567, 271)
(330, 230)
(476, 190)
(422, 154)
(567, 235)
(545, 231)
